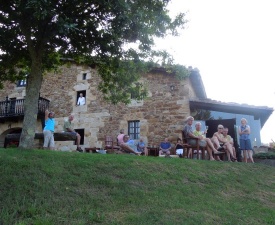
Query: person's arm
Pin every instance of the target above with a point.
(239, 131)
(70, 129)
(221, 140)
(47, 114)
(67, 127)
(192, 135)
(247, 129)
(78, 101)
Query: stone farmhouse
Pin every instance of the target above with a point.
(161, 114)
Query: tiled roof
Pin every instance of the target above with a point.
(202, 102)
(259, 112)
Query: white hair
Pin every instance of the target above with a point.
(189, 118)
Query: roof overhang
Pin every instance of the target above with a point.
(259, 112)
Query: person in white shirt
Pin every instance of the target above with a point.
(81, 100)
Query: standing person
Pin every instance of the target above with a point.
(179, 148)
(245, 143)
(48, 130)
(68, 127)
(81, 100)
(165, 148)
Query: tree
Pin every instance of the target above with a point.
(36, 34)
(201, 114)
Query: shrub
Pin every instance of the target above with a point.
(268, 155)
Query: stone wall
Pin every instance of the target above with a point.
(161, 114)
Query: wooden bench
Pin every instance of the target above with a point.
(61, 136)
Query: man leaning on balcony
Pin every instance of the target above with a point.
(48, 130)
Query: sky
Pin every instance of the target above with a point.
(232, 43)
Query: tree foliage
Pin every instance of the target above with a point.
(201, 114)
(36, 34)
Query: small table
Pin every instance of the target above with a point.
(154, 151)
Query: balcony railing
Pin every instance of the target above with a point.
(12, 108)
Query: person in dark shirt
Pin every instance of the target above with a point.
(179, 148)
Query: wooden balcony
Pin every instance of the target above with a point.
(13, 109)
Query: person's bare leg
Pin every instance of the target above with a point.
(189, 153)
(234, 152)
(227, 153)
(146, 151)
(78, 137)
(210, 144)
(229, 147)
(244, 156)
(127, 148)
(215, 142)
(209, 150)
(250, 154)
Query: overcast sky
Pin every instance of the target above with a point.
(232, 43)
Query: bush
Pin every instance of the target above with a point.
(268, 155)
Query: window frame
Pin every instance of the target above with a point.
(22, 83)
(84, 76)
(84, 95)
(134, 129)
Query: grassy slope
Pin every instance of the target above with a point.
(46, 187)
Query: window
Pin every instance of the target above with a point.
(84, 76)
(81, 133)
(134, 129)
(22, 83)
(83, 95)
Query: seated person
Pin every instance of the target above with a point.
(230, 140)
(179, 148)
(222, 143)
(120, 136)
(203, 141)
(165, 148)
(141, 147)
(68, 127)
(128, 145)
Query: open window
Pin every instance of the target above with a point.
(84, 76)
(81, 97)
(23, 82)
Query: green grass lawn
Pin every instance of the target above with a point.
(46, 187)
